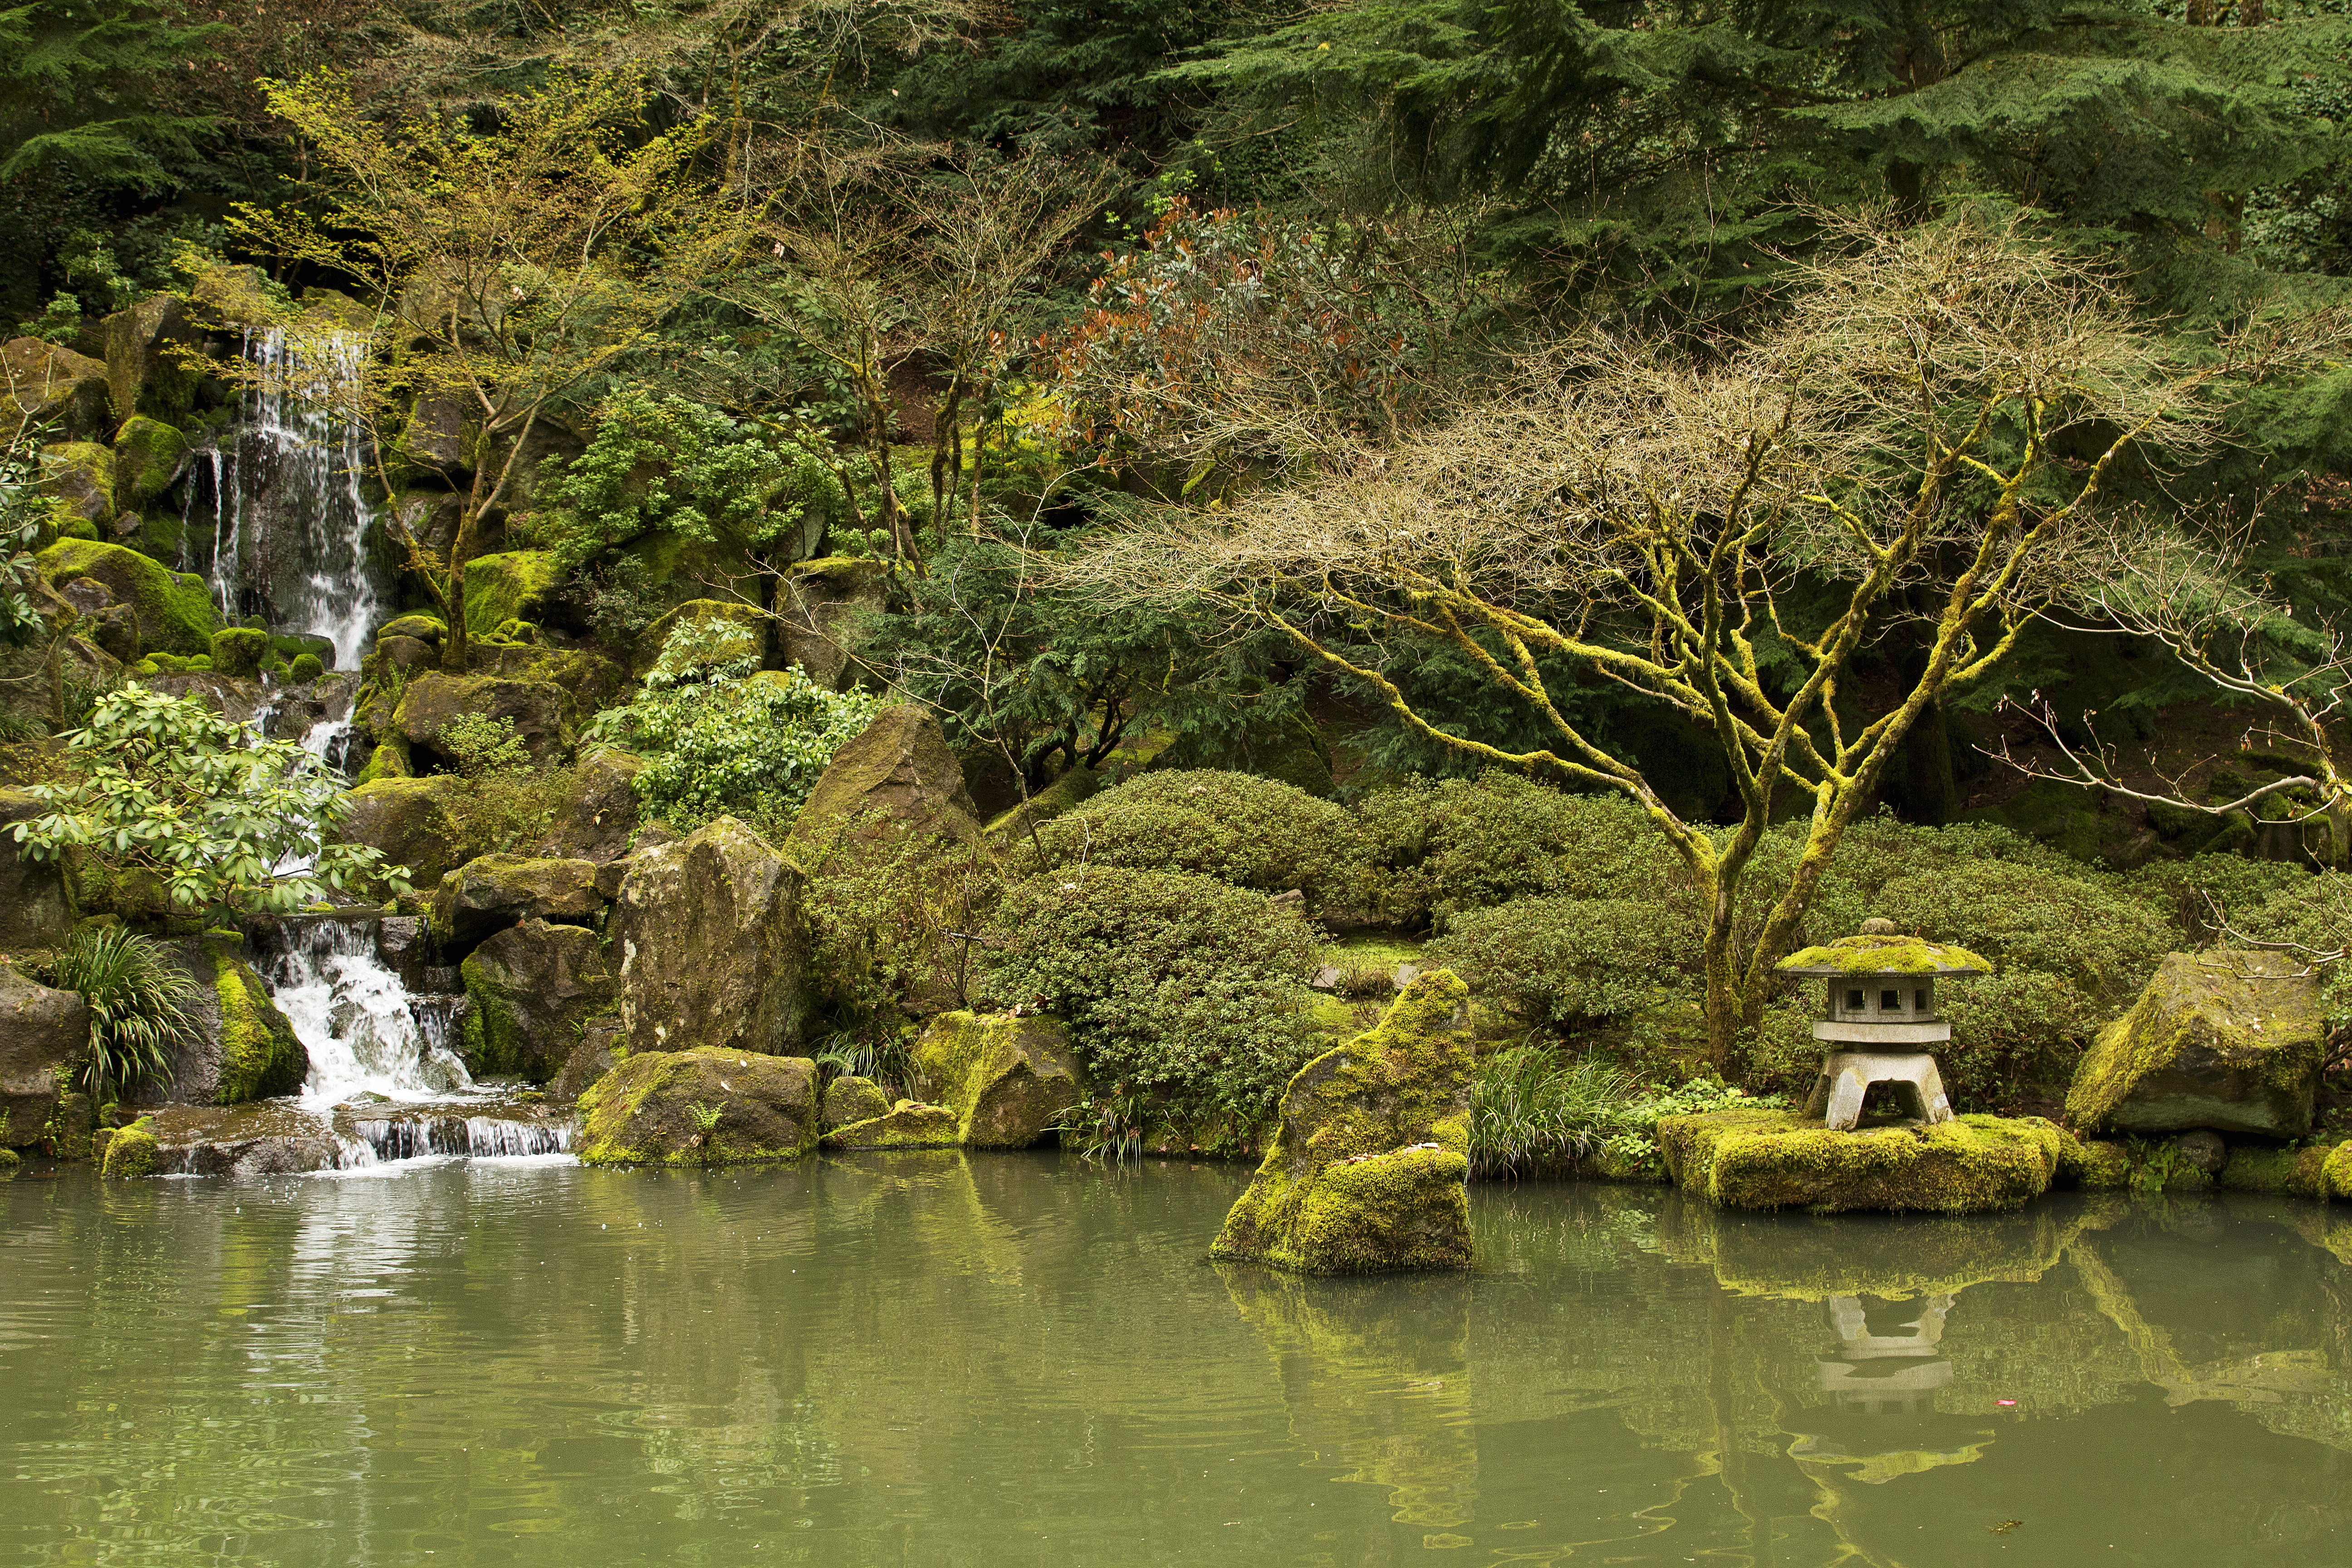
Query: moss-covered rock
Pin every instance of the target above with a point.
(494, 891)
(239, 652)
(44, 1035)
(600, 1050)
(175, 608)
(80, 476)
(410, 820)
(1366, 1170)
(599, 814)
(131, 1153)
(1780, 1158)
(423, 627)
(900, 764)
(1008, 1079)
(712, 950)
(733, 630)
(72, 1123)
(261, 1055)
(506, 587)
(533, 988)
(148, 456)
(2096, 1163)
(2227, 1040)
(650, 1110)
(540, 710)
(910, 1124)
(305, 669)
(145, 370)
(827, 601)
(53, 388)
(35, 909)
(849, 1099)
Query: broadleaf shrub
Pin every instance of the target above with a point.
(1177, 985)
(1567, 963)
(1241, 829)
(1438, 848)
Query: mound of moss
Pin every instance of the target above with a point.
(176, 609)
(701, 1107)
(1782, 1160)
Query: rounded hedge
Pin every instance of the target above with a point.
(1566, 963)
(1243, 830)
(1437, 848)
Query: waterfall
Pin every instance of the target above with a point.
(288, 519)
(367, 1037)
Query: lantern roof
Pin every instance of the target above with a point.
(1876, 953)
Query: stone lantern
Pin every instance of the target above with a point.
(1879, 1021)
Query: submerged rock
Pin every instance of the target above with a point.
(1007, 1079)
(910, 1124)
(265, 1140)
(850, 1098)
(1780, 1158)
(699, 1106)
(902, 764)
(2229, 1041)
(44, 1035)
(712, 948)
(533, 987)
(1366, 1170)
(493, 892)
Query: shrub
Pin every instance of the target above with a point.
(2203, 892)
(1241, 829)
(889, 912)
(1174, 984)
(1566, 963)
(2080, 925)
(1881, 849)
(513, 802)
(2314, 917)
(139, 1003)
(722, 737)
(1438, 848)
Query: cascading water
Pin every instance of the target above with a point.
(375, 1047)
(280, 497)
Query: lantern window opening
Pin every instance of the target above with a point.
(1890, 1001)
(1854, 1001)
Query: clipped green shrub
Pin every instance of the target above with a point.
(2203, 892)
(2081, 925)
(1175, 985)
(1881, 849)
(1437, 848)
(2314, 916)
(1239, 829)
(138, 1008)
(1567, 963)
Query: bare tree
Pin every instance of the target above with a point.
(1923, 430)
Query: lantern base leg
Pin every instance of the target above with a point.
(1846, 1078)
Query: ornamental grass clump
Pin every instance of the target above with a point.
(1175, 986)
(1530, 1112)
(138, 1008)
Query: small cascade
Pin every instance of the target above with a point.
(282, 499)
(465, 1137)
(367, 1036)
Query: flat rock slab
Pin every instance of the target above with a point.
(1782, 1160)
(908, 1124)
(279, 1137)
(265, 1138)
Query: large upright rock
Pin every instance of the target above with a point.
(34, 913)
(701, 1107)
(602, 811)
(534, 986)
(56, 388)
(826, 600)
(260, 1056)
(44, 1035)
(1367, 1170)
(410, 821)
(2227, 1040)
(1007, 1079)
(712, 949)
(146, 368)
(900, 764)
(506, 587)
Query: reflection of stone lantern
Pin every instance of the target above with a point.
(1880, 1022)
(1887, 1374)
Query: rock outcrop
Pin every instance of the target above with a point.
(699, 1106)
(2226, 1040)
(900, 764)
(409, 821)
(266, 1140)
(174, 608)
(44, 1035)
(34, 910)
(493, 892)
(1007, 1079)
(1779, 1160)
(712, 950)
(1366, 1171)
(826, 599)
(849, 1099)
(601, 812)
(597, 1054)
(260, 1054)
(540, 710)
(534, 987)
(54, 387)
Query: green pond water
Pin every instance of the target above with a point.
(1023, 1360)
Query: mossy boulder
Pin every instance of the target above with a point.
(261, 1055)
(423, 628)
(506, 587)
(1366, 1170)
(541, 712)
(174, 608)
(650, 1108)
(1007, 1079)
(305, 667)
(148, 456)
(711, 947)
(410, 820)
(910, 1124)
(55, 388)
(44, 1035)
(1780, 1158)
(2227, 1040)
(131, 1153)
(35, 908)
(900, 764)
(239, 652)
(80, 476)
(733, 630)
(849, 1099)
(533, 988)
(827, 599)
(599, 814)
(494, 891)
(600, 1050)
(145, 368)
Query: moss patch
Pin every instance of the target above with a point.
(648, 1109)
(910, 1124)
(239, 650)
(147, 457)
(1779, 1159)
(176, 609)
(260, 1054)
(1885, 955)
(132, 1153)
(506, 587)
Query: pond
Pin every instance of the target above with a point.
(984, 1360)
